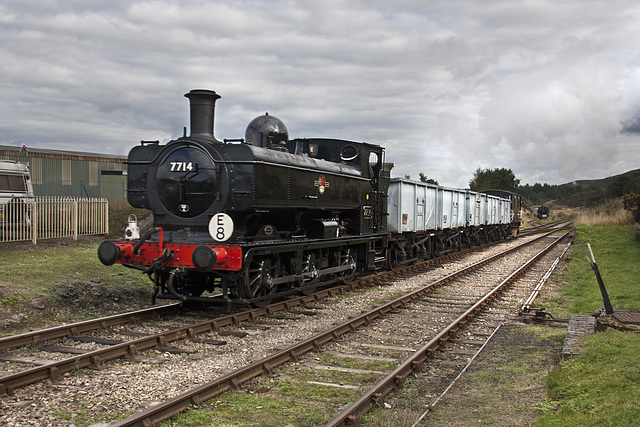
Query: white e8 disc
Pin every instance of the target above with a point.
(221, 227)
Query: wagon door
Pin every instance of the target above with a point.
(473, 209)
(460, 208)
(431, 207)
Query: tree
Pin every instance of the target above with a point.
(423, 178)
(632, 204)
(496, 179)
(624, 184)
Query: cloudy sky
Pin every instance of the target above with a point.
(548, 89)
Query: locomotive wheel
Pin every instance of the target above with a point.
(259, 279)
(310, 267)
(346, 258)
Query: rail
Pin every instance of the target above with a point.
(233, 380)
(97, 357)
(52, 218)
(350, 414)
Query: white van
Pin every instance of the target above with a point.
(15, 189)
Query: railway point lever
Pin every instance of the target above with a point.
(605, 297)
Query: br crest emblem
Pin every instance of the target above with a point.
(321, 184)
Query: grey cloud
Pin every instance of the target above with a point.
(632, 126)
(446, 86)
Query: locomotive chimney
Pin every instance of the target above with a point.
(203, 106)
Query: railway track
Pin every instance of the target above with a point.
(470, 327)
(92, 343)
(202, 336)
(360, 338)
(105, 339)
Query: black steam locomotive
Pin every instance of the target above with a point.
(241, 221)
(252, 217)
(543, 212)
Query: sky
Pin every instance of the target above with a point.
(548, 89)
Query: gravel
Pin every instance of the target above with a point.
(127, 386)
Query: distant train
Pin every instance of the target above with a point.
(543, 212)
(251, 219)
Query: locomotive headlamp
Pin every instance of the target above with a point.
(132, 231)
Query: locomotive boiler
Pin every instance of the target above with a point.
(246, 219)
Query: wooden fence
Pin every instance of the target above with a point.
(53, 217)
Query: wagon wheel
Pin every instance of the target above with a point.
(310, 272)
(392, 257)
(465, 241)
(259, 279)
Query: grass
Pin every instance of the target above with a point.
(496, 388)
(617, 255)
(601, 386)
(598, 388)
(329, 359)
(63, 280)
(33, 270)
(29, 271)
(610, 213)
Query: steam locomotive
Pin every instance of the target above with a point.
(250, 219)
(543, 212)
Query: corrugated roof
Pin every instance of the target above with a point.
(62, 153)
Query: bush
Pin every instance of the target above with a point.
(632, 204)
(610, 213)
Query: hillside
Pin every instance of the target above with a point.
(583, 193)
(603, 181)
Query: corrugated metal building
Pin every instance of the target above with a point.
(71, 173)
